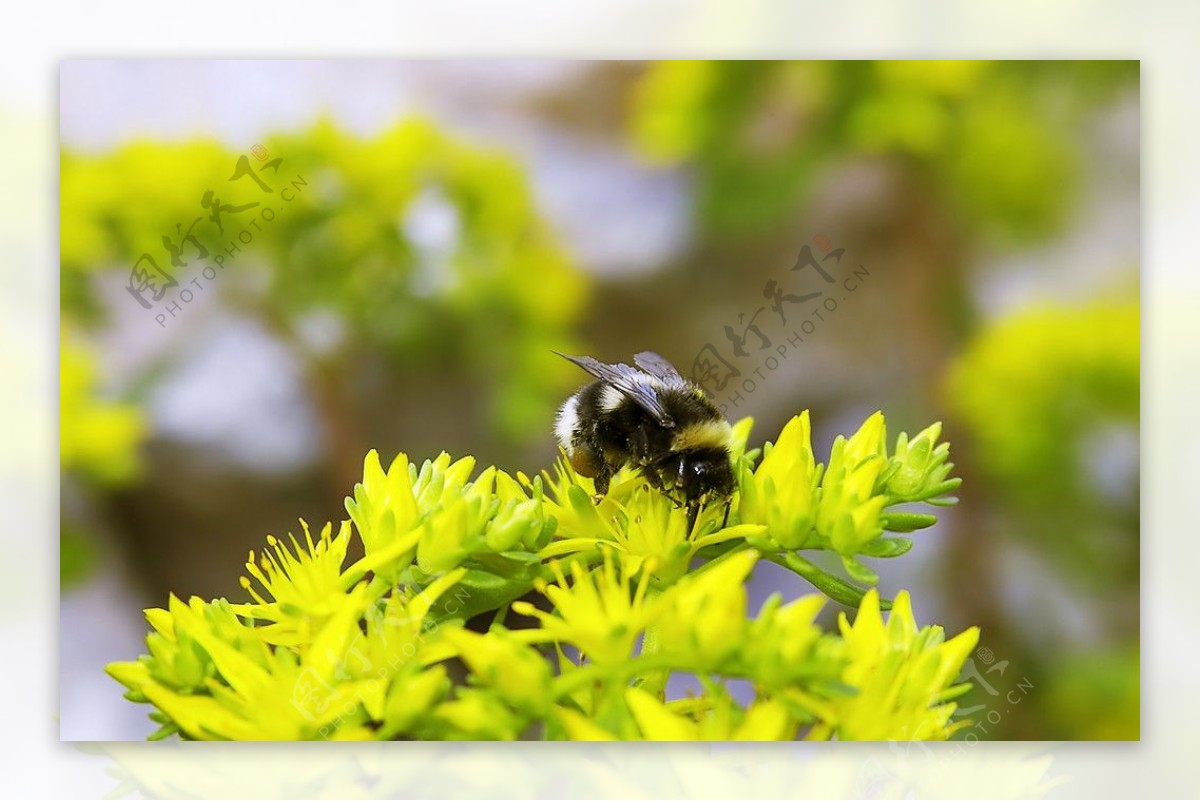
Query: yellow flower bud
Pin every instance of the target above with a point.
(517, 672)
(780, 494)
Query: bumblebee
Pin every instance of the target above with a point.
(654, 419)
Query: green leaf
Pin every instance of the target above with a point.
(860, 572)
(478, 592)
(524, 557)
(836, 588)
(164, 731)
(934, 494)
(887, 547)
(906, 521)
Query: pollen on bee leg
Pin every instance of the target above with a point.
(585, 461)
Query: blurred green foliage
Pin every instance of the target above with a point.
(99, 439)
(1032, 385)
(1035, 392)
(996, 141)
(77, 556)
(1034, 389)
(411, 243)
(1079, 680)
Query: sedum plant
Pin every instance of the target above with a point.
(99, 438)
(580, 610)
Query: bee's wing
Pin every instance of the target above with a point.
(660, 368)
(629, 381)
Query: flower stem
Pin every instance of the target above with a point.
(711, 563)
(652, 681)
(836, 588)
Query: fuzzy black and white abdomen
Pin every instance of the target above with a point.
(652, 419)
(566, 424)
(575, 430)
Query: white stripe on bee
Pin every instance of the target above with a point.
(611, 398)
(567, 422)
(708, 434)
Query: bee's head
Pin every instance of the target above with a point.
(706, 473)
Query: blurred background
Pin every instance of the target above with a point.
(268, 269)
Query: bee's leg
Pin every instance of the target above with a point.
(693, 509)
(653, 477)
(601, 479)
(725, 517)
(586, 458)
(681, 486)
(654, 473)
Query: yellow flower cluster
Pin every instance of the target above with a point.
(621, 594)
